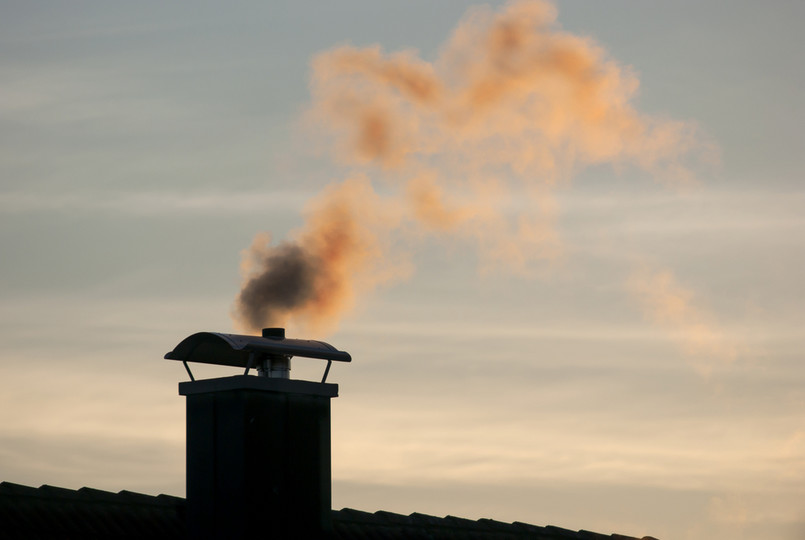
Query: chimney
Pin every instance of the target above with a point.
(258, 446)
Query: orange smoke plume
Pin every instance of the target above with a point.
(509, 90)
(674, 308)
(470, 144)
(309, 281)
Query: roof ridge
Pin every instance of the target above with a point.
(125, 504)
(87, 494)
(420, 520)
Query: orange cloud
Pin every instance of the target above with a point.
(675, 308)
(510, 89)
(471, 145)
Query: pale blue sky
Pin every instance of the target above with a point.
(144, 144)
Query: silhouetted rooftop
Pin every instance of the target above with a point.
(50, 513)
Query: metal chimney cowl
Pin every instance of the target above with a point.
(258, 448)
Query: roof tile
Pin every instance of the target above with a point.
(50, 512)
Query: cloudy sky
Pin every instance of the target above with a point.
(572, 286)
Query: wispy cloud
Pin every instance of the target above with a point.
(675, 308)
(154, 202)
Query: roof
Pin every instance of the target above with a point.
(54, 513)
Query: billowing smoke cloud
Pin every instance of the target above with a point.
(311, 279)
(471, 145)
(675, 308)
(510, 93)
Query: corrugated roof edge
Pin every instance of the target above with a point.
(420, 521)
(345, 517)
(46, 491)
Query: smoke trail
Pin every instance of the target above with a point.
(470, 145)
(510, 90)
(674, 307)
(312, 279)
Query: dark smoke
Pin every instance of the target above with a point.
(285, 281)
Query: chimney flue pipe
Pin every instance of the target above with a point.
(275, 366)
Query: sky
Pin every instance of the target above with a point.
(567, 247)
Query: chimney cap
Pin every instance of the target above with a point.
(234, 349)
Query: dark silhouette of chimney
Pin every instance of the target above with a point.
(258, 447)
